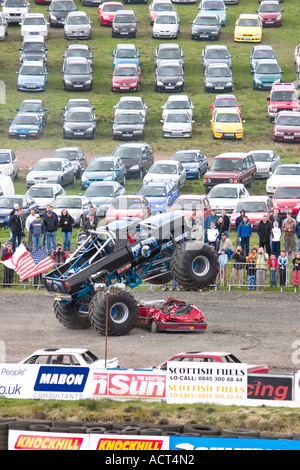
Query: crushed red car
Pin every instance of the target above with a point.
(171, 315)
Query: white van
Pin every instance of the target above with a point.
(8, 163)
(6, 185)
(15, 10)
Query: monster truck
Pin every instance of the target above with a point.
(90, 288)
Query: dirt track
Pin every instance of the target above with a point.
(259, 327)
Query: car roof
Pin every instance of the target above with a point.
(289, 185)
(255, 198)
(33, 62)
(206, 353)
(60, 351)
(191, 196)
(226, 111)
(169, 46)
(216, 46)
(232, 155)
(178, 97)
(289, 113)
(248, 16)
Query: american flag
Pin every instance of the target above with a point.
(27, 265)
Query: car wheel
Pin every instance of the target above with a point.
(141, 174)
(153, 327)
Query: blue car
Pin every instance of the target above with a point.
(7, 206)
(34, 107)
(261, 52)
(215, 7)
(159, 195)
(25, 126)
(104, 169)
(194, 162)
(102, 193)
(32, 76)
(126, 54)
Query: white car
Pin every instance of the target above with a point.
(166, 25)
(9, 163)
(34, 23)
(169, 170)
(177, 124)
(226, 196)
(178, 103)
(69, 357)
(131, 103)
(45, 194)
(3, 27)
(266, 162)
(287, 173)
(75, 205)
(297, 56)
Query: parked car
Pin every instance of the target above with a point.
(187, 204)
(169, 51)
(104, 168)
(178, 103)
(9, 163)
(128, 125)
(107, 11)
(255, 208)
(32, 76)
(126, 77)
(124, 24)
(166, 25)
(79, 103)
(225, 101)
(3, 27)
(102, 193)
(15, 10)
(287, 199)
(159, 195)
(230, 167)
(266, 162)
(137, 158)
(226, 196)
(45, 194)
(131, 103)
(33, 48)
(218, 77)
(69, 357)
(248, 28)
(7, 206)
(213, 53)
(77, 25)
(79, 123)
(75, 155)
(261, 52)
(75, 205)
(211, 356)
(270, 13)
(177, 124)
(77, 74)
(169, 76)
(266, 73)
(284, 173)
(194, 162)
(287, 126)
(51, 170)
(283, 97)
(297, 56)
(79, 51)
(59, 10)
(36, 107)
(226, 123)
(132, 206)
(126, 54)
(34, 23)
(159, 6)
(25, 126)
(6, 186)
(163, 170)
(216, 7)
(206, 26)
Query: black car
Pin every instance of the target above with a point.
(128, 125)
(58, 11)
(137, 158)
(75, 155)
(77, 74)
(218, 77)
(169, 76)
(124, 24)
(79, 123)
(206, 27)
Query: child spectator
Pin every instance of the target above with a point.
(282, 264)
(212, 235)
(296, 269)
(251, 262)
(223, 261)
(273, 267)
(275, 239)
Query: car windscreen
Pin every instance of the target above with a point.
(34, 21)
(264, 54)
(213, 6)
(126, 203)
(124, 19)
(31, 107)
(251, 207)
(165, 19)
(127, 153)
(33, 47)
(125, 71)
(128, 119)
(217, 54)
(185, 157)
(128, 104)
(223, 193)
(287, 193)
(177, 104)
(77, 69)
(169, 71)
(206, 20)
(99, 191)
(267, 68)
(172, 53)
(293, 121)
(153, 191)
(261, 157)
(79, 117)
(100, 166)
(62, 6)
(226, 164)
(188, 205)
(228, 117)
(218, 72)
(31, 70)
(40, 192)
(4, 158)
(70, 203)
(69, 154)
(77, 20)
(48, 166)
(269, 7)
(164, 168)
(284, 170)
(80, 52)
(126, 53)
(25, 120)
(251, 23)
(9, 202)
(15, 3)
(174, 117)
(163, 7)
(112, 8)
(284, 96)
(225, 103)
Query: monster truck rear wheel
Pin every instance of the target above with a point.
(194, 265)
(72, 315)
(121, 312)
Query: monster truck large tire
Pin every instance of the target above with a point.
(68, 314)
(121, 312)
(194, 265)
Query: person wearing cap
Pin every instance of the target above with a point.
(37, 229)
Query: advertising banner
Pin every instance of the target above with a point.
(117, 442)
(181, 443)
(25, 440)
(270, 387)
(297, 386)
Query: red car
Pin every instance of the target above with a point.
(287, 127)
(287, 199)
(255, 208)
(134, 206)
(107, 11)
(158, 6)
(225, 101)
(188, 203)
(283, 97)
(171, 315)
(208, 356)
(270, 13)
(126, 77)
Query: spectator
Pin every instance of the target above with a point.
(261, 268)
(226, 222)
(91, 212)
(288, 228)
(212, 216)
(49, 208)
(15, 224)
(238, 220)
(297, 233)
(223, 261)
(90, 224)
(51, 226)
(212, 235)
(29, 219)
(296, 270)
(264, 230)
(59, 255)
(66, 223)
(8, 275)
(251, 268)
(237, 273)
(282, 265)
(273, 268)
(244, 232)
(195, 224)
(275, 238)
(226, 244)
(275, 217)
(37, 230)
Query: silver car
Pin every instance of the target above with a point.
(266, 162)
(45, 194)
(77, 26)
(75, 205)
(8, 163)
(51, 170)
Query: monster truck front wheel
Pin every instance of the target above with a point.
(194, 265)
(120, 309)
(73, 315)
